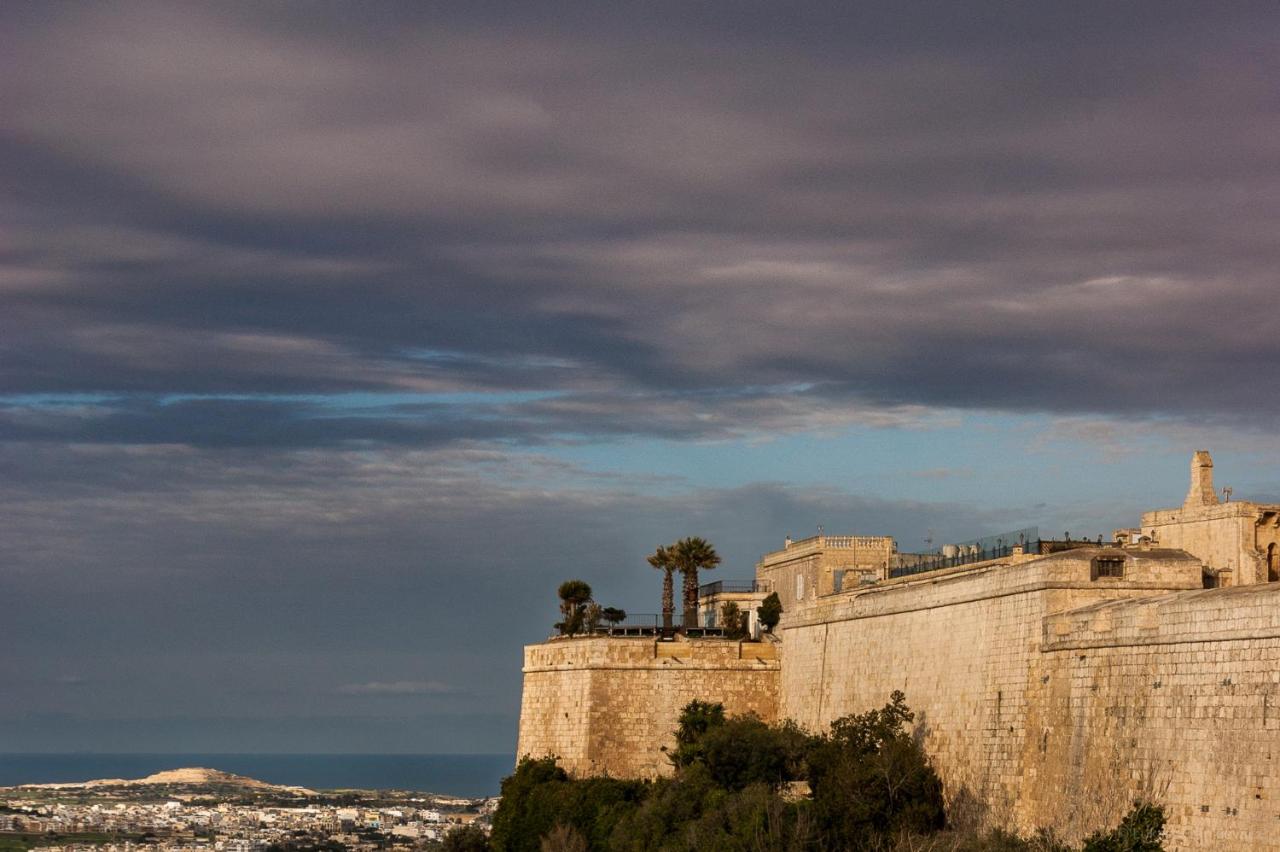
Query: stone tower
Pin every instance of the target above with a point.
(1201, 492)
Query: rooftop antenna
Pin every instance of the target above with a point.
(1226, 493)
(819, 529)
(928, 540)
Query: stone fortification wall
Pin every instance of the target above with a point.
(1175, 697)
(965, 646)
(1047, 694)
(606, 705)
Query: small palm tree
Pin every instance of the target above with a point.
(663, 559)
(692, 555)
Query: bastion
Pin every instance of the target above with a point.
(1053, 682)
(608, 705)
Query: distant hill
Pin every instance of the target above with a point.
(188, 777)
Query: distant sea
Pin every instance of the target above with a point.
(465, 775)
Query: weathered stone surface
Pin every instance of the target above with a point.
(1040, 711)
(608, 705)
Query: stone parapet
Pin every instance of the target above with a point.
(1146, 571)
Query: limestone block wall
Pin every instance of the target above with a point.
(606, 705)
(1044, 696)
(1173, 697)
(802, 560)
(965, 647)
(1226, 536)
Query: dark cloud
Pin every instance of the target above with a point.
(1027, 209)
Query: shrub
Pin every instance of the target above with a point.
(1139, 831)
(754, 819)
(515, 811)
(540, 796)
(734, 621)
(696, 719)
(745, 751)
(563, 838)
(468, 838)
(870, 781)
(769, 612)
(670, 807)
(870, 778)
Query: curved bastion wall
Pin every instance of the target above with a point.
(608, 705)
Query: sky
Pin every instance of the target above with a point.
(334, 336)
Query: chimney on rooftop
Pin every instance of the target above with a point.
(1201, 492)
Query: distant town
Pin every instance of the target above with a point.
(200, 809)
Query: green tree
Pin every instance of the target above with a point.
(739, 751)
(769, 612)
(870, 779)
(663, 559)
(693, 554)
(539, 796)
(662, 819)
(574, 595)
(744, 751)
(613, 614)
(734, 621)
(695, 720)
(518, 814)
(871, 788)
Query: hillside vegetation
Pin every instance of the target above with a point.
(741, 785)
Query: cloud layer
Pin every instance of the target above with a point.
(1012, 209)
(306, 309)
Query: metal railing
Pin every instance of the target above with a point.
(723, 586)
(967, 553)
(648, 624)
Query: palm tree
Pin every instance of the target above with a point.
(692, 555)
(663, 559)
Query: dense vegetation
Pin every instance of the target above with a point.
(739, 786)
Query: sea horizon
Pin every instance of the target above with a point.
(462, 775)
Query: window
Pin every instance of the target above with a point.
(799, 587)
(1108, 566)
